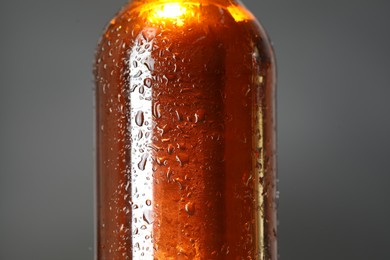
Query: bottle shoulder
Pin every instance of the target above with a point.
(181, 18)
(184, 27)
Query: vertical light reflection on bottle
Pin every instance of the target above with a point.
(258, 160)
(141, 66)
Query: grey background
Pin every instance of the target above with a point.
(333, 104)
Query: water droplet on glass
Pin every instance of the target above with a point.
(161, 160)
(182, 158)
(169, 174)
(148, 82)
(170, 148)
(140, 135)
(190, 208)
(179, 182)
(181, 253)
(179, 116)
(139, 118)
(154, 147)
(157, 110)
(164, 140)
(199, 116)
(148, 202)
(139, 73)
(148, 216)
(133, 88)
(142, 163)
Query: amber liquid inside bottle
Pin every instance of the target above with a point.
(186, 134)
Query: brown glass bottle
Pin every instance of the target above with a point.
(185, 133)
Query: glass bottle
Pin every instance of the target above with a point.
(185, 133)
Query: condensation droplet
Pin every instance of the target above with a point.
(179, 182)
(141, 90)
(199, 116)
(148, 82)
(181, 253)
(148, 216)
(142, 163)
(170, 148)
(154, 147)
(139, 73)
(133, 88)
(148, 202)
(190, 208)
(182, 158)
(169, 174)
(140, 135)
(122, 227)
(161, 160)
(156, 110)
(139, 118)
(149, 65)
(179, 116)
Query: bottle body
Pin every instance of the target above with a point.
(185, 134)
